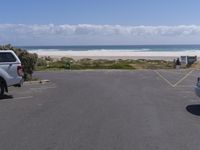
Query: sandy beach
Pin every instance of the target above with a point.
(116, 54)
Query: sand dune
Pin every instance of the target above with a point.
(116, 54)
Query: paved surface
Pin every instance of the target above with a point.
(103, 110)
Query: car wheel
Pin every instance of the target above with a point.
(2, 88)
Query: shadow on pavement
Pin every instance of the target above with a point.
(6, 97)
(194, 109)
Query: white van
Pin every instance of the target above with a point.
(11, 72)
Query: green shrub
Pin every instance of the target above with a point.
(48, 58)
(67, 59)
(57, 64)
(41, 62)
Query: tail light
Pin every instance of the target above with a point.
(20, 71)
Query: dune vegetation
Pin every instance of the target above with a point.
(47, 63)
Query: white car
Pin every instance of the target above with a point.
(11, 72)
(197, 87)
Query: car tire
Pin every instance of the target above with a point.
(2, 88)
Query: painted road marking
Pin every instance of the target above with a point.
(167, 81)
(194, 100)
(178, 82)
(44, 88)
(181, 80)
(186, 86)
(26, 97)
(179, 73)
(186, 91)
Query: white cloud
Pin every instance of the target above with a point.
(84, 32)
(87, 29)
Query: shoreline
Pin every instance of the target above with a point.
(115, 55)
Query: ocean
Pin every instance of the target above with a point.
(117, 48)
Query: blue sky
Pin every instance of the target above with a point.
(79, 22)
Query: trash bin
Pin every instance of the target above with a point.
(67, 65)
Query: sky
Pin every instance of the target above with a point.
(102, 22)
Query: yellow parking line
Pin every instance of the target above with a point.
(167, 81)
(177, 83)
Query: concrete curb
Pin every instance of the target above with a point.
(37, 82)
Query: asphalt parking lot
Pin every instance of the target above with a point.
(103, 110)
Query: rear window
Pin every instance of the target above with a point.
(7, 57)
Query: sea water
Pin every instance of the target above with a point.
(117, 48)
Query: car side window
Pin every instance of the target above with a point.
(7, 57)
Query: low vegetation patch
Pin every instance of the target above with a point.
(196, 65)
(68, 63)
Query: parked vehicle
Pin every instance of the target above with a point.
(11, 72)
(197, 87)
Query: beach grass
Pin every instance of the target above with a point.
(196, 65)
(82, 64)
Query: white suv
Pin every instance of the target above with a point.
(11, 72)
